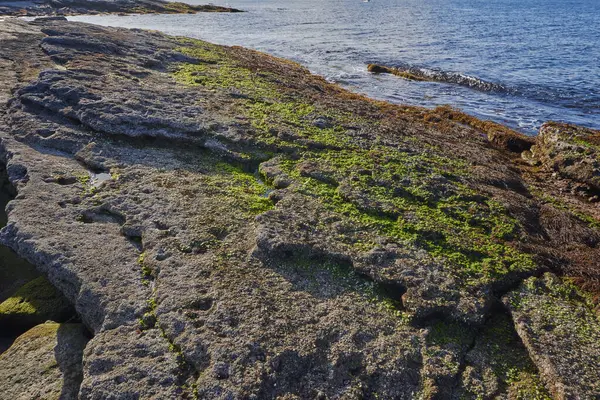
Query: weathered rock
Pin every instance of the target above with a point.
(144, 164)
(14, 271)
(572, 152)
(497, 365)
(44, 363)
(562, 334)
(34, 303)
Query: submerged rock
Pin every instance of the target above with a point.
(406, 74)
(44, 363)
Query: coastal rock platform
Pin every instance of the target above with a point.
(229, 226)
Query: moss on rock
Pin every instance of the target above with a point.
(422, 197)
(561, 332)
(44, 363)
(34, 303)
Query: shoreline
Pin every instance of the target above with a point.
(273, 217)
(54, 8)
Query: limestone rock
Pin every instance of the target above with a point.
(34, 303)
(219, 243)
(59, 8)
(561, 333)
(44, 363)
(572, 152)
(498, 366)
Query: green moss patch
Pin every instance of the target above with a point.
(499, 363)
(562, 334)
(33, 304)
(419, 195)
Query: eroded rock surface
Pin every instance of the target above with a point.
(573, 153)
(562, 334)
(229, 226)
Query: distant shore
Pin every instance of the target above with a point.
(83, 7)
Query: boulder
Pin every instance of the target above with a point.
(44, 363)
(34, 303)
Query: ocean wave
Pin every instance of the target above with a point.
(568, 97)
(434, 75)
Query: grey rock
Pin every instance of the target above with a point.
(196, 278)
(562, 334)
(54, 10)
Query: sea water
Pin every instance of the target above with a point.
(518, 62)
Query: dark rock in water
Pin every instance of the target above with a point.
(378, 69)
(412, 73)
(406, 74)
(230, 226)
(44, 363)
(41, 19)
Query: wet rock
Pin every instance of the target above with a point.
(572, 152)
(561, 333)
(411, 75)
(44, 363)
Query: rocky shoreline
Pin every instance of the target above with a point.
(38, 8)
(229, 226)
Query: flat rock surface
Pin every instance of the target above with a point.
(229, 226)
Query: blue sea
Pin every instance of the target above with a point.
(518, 62)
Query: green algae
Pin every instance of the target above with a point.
(465, 229)
(421, 197)
(247, 192)
(509, 360)
(147, 272)
(269, 109)
(558, 303)
(34, 303)
(496, 360)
